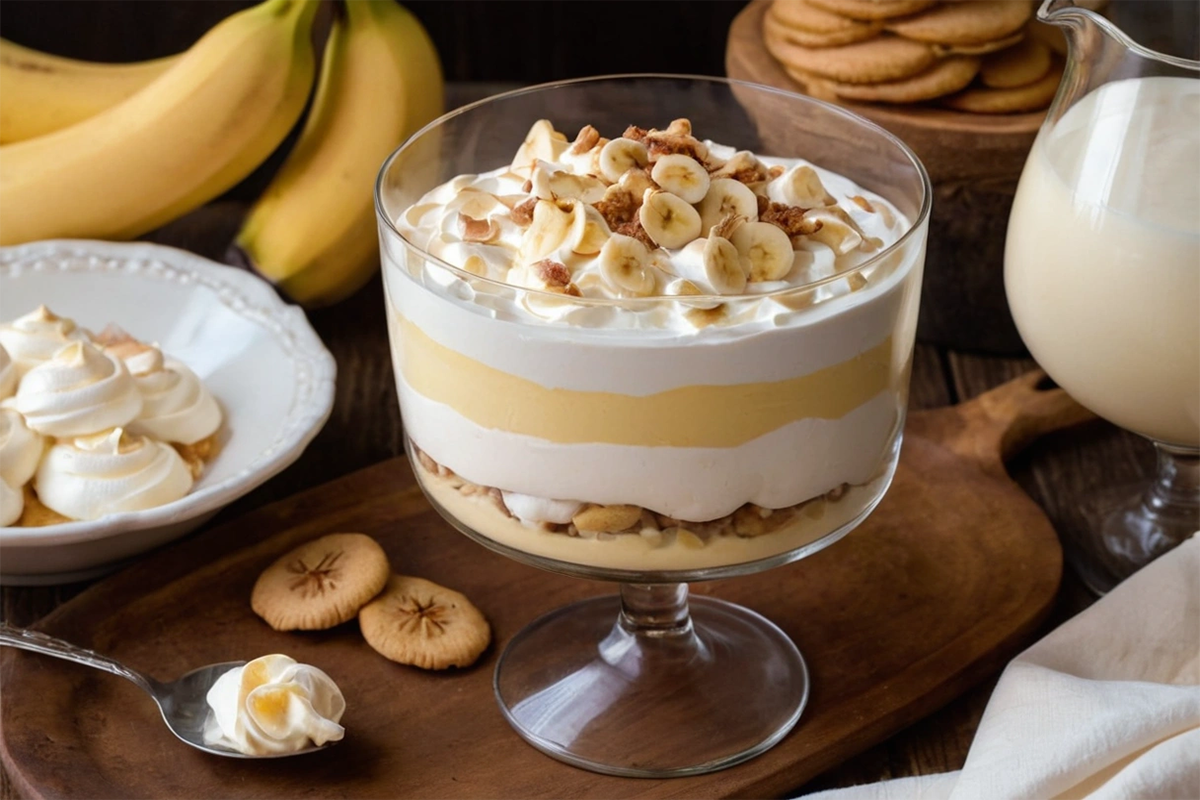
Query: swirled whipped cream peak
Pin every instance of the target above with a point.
(37, 336)
(81, 390)
(651, 213)
(274, 704)
(176, 406)
(110, 472)
(20, 448)
(8, 374)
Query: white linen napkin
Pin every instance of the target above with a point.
(1105, 706)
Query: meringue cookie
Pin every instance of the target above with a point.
(8, 374)
(110, 472)
(12, 504)
(37, 336)
(176, 406)
(79, 391)
(274, 705)
(20, 449)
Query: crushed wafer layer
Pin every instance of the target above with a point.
(608, 522)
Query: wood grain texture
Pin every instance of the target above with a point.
(895, 620)
(973, 160)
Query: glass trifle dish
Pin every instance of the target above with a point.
(653, 330)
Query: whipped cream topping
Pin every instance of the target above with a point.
(8, 374)
(20, 449)
(80, 391)
(110, 472)
(176, 406)
(37, 336)
(274, 705)
(529, 508)
(12, 503)
(563, 220)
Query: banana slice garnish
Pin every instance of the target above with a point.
(682, 176)
(723, 266)
(801, 186)
(547, 231)
(541, 143)
(668, 219)
(588, 231)
(837, 230)
(765, 250)
(726, 196)
(624, 265)
(620, 155)
(551, 183)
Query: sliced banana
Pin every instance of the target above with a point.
(620, 155)
(551, 183)
(766, 251)
(682, 176)
(636, 181)
(588, 231)
(668, 219)
(799, 186)
(723, 266)
(625, 266)
(547, 231)
(726, 196)
(542, 142)
(837, 230)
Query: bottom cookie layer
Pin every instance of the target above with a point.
(654, 542)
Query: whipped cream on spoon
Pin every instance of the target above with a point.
(183, 703)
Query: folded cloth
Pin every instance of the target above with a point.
(1105, 706)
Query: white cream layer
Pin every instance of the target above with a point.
(785, 467)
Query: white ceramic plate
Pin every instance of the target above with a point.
(257, 354)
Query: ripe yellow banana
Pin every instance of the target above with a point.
(313, 231)
(40, 93)
(198, 129)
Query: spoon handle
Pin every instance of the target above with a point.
(48, 645)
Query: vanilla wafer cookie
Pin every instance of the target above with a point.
(321, 583)
(945, 77)
(418, 622)
(964, 23)
(982, 49)
(802, 14)
(873, 9)
(1020, 65)
(886, 58)
(983, 100)
(856, 32)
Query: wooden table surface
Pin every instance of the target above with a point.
(1063, 473)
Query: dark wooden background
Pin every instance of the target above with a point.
(480, 40)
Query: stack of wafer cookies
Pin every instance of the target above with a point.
(970, 55)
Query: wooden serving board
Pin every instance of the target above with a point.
(934, 592)
(973, 160)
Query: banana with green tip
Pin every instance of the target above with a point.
(313, 231)
(41, 93)
(189, 135)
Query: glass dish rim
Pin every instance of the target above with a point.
(646, 302)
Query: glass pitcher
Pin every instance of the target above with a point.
(1102, 270)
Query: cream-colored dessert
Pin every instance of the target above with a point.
(176, 406)
(273, 705)
(37, 336)
(656, 352)
(95, 425)
(106, 473)
(1102, 261)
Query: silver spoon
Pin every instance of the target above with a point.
(183, 702)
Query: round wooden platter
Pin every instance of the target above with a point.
(934, 592)
(974, 162)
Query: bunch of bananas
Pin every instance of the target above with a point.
(113, 151)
